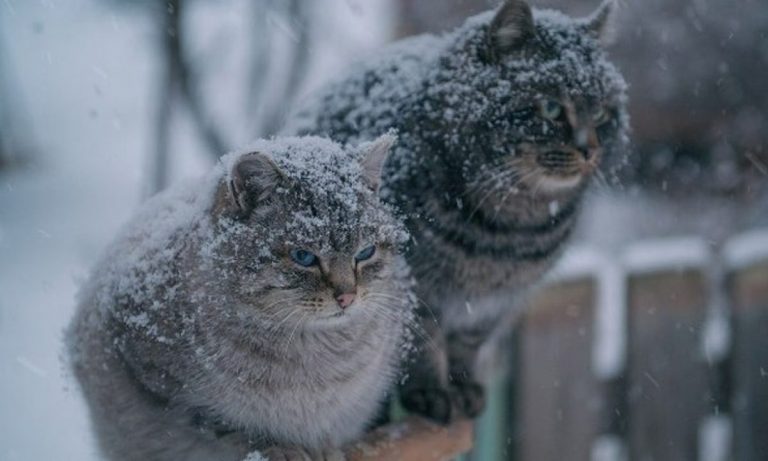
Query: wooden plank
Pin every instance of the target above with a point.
(748, 288)
(558, 396)
(414, 439)
(667, 378)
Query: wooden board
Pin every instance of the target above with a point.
(558, 397)
(749, 292)
(667, 378)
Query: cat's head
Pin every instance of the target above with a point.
(544, 105)
(301, 236)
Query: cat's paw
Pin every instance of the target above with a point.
(286, 454)
(463, 399)
(468, 398)
(431, 402)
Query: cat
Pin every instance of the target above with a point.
(501, 125)
(265, 307)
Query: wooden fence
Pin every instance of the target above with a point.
(656, 354)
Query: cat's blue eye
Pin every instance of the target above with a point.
(303, 257)
(365, 253)
(550, 109)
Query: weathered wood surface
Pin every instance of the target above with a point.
(558, 396)
(749, 292)
(414, 439)
(668, 386)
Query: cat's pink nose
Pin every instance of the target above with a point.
(345, 300)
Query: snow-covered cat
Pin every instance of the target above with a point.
(501, 124)
(261, 308)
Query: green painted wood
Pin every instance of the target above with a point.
(490, 430)
(749, 362)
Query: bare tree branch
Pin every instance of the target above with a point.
(298, 13)
(414, 439)
(259, 61)
(177, 83)
(174, 49)
(15, 138)
(167, 92)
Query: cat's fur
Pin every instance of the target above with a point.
(198, 338)
(489, 185)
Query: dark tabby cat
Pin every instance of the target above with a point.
(262, 308)
(501, 123)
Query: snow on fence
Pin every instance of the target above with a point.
(659, 353)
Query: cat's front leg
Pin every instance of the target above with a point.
(467, 390)
(424, 390)
(442, 383)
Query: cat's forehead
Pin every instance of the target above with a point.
(564, 59)
(321, 163)
(328, 228)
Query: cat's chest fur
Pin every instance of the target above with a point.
(274, 387)
(464, 256)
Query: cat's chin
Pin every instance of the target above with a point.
(558, 184)
(334, 320)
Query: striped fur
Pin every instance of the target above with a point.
(487, 176)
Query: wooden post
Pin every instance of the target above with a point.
(667, 377)
(414, 439)
(558, 398)
(747, 257)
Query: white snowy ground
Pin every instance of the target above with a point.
(86, 73)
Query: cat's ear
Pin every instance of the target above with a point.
(511, 27)
(374, 154)
(252, 178)
(601, 24)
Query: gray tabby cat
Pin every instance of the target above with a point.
(501, 124)
(263, 308)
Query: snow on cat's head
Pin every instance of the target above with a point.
(537, 93)
(301, 235)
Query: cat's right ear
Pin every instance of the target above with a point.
(375, 154)
(252, 178)
(511, 27)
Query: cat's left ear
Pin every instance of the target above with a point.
(252, 178)
(601, 24)
(374, 154)
(511, 27)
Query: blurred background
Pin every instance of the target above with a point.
(650, 340)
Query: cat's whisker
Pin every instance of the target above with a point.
(422, 303)
(418, 299)
(484, 179)
(415, 327)
(601, 179)
(295, 328)
(498, 174)
(276, 327)
(492, 189)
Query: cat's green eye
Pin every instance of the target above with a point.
(304, 258)
(601, 116)
(550, 109)
(365, 253)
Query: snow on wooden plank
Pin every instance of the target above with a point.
(608, 448)
(715, 438)
(746, 249)
(609, 353)
(610, 339)
(675, 253)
